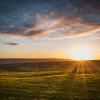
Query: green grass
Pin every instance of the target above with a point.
(49, 85)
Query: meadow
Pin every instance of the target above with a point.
(50, 81)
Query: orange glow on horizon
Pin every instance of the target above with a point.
(81, 53)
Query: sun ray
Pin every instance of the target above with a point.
(83, 75)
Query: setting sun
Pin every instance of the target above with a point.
(81, 53)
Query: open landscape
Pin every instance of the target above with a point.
(49, 49)
(50, 80)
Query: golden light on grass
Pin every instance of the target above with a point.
(81, 53)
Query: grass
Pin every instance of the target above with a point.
(49, 85)
(50, 81)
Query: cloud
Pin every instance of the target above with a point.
(96, 35)
(11, 43)
(51, 19)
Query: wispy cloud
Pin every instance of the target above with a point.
(11, 43)
(51, 19)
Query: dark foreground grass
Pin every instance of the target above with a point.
(49, 85)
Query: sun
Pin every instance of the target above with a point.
(81, 53)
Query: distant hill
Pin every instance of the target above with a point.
(19, 60)
(43, 64)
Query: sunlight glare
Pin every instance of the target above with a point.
(81, 53)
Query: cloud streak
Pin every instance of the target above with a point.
(11, 43)
(52, 19)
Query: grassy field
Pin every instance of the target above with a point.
(51, 85)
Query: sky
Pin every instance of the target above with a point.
(48, 28)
